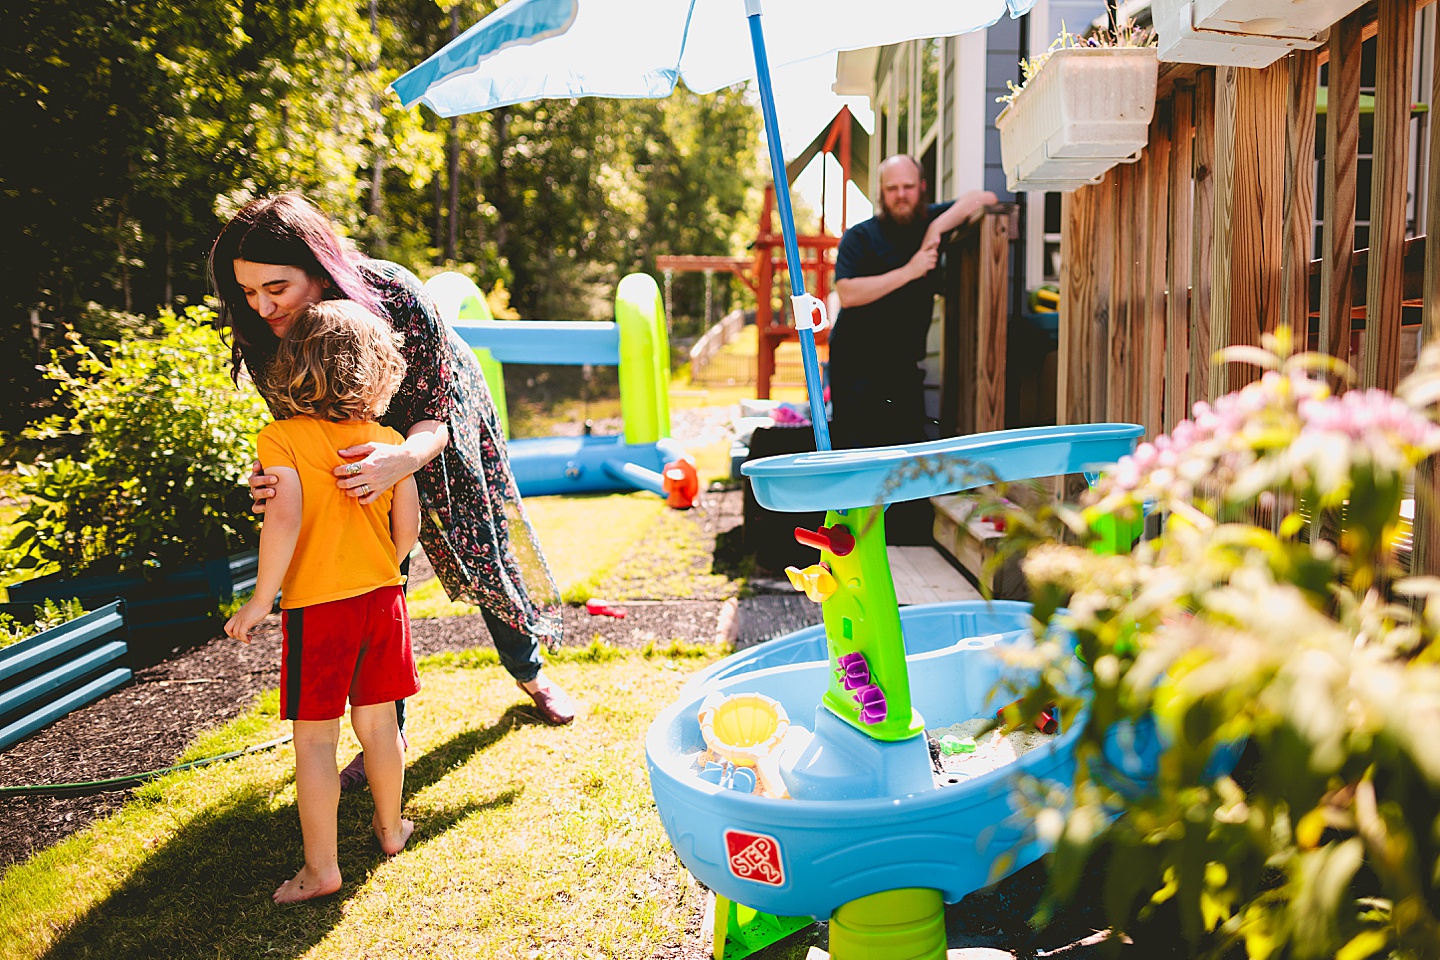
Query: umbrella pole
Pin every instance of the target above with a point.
(787, 224)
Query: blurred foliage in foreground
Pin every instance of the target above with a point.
(1271, 609)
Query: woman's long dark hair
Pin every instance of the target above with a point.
(283, 230)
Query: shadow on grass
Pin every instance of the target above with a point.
(206, 891)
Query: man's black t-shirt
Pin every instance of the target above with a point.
(884, 339)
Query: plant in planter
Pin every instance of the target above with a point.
(1083, 106)
(1270, 610)
(50, 613)
(147, 486)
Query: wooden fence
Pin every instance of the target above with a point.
(1222, 205)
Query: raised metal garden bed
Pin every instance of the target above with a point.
(46, 676)
(165, 612)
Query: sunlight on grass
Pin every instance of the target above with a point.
(583, 539)
(531, 841)
(675, 563)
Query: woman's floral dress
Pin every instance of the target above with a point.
(474, 529)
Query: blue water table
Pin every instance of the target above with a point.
(636, 343)
(797, 777)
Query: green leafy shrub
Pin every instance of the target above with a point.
(1270, 609)
(48, 614)
(163, 440)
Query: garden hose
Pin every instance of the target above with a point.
(87, 788)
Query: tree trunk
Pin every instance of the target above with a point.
(377, 165)
(452, 150)
(499, 198)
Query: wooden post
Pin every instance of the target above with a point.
(1106, 281)
(1078, 307)
(1117, 387)
(764, 317)
(1079, 321)
(961, 331)
(1425, 542)
(1177, 280)
(1249, 211)
(1157, 211)
(1385, 266)
(1342, 149)
(1299, 211)
(1222, 252)
(1202, 252)
(996, 231)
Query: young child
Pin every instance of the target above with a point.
(346, 629)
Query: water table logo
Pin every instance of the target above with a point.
(754, 856)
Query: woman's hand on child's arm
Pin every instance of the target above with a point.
(405, 518)
(262, 487)
(385, 464)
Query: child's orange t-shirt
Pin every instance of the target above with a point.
(344, 549)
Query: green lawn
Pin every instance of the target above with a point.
(623, 546)
(583, 538)
(531, 842)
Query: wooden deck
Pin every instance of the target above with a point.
(922, 575)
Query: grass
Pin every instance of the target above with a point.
(673, 561)
(623, 546)
(583, 538)
(531, 842)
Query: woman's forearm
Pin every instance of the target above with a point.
(425, 440)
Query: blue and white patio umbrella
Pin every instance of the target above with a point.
(536, 49)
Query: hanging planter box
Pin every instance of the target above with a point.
(1087, 109)
(59, 670)
(170, 610)
(1243, 33)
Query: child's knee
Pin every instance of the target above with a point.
(374, 720)
(318, 732)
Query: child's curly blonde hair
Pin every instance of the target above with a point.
(337, 362)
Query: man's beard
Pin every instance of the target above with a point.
(887, 214)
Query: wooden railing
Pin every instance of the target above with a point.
(1221, 206)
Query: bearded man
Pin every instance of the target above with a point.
(886, 280)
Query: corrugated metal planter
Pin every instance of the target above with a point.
(171, 610)
(1243, 33)
(1087, 109)
(45, 677)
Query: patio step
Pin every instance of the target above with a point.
(970, 540)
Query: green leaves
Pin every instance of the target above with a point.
(1270, 610)
(165, 442)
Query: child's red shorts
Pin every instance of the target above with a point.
(358, 647)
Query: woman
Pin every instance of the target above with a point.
(279, 255)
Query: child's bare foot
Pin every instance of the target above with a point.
(393, 841)
(307, 885)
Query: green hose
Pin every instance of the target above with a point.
(86, 788)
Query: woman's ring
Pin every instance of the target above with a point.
(364, 489)
(352, 470)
